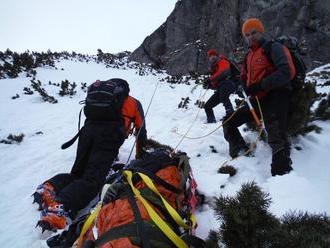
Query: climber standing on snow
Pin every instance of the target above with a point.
(221, 82)
(269, 82)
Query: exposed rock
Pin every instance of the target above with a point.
(194, 26)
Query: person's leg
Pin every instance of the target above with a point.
(56, 214)
(231, 132)
(276, 121)
(106, 143)
(60, 181)
(84, 148)
(46, 192)
(226, 88)
(209, 105)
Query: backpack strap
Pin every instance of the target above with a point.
(71, 141)
(157, 179)
(160, 223)
(140, 224)
(267, 46)
(234, 71)
(130, 230)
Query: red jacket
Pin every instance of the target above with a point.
(271, 74)
(220, 70)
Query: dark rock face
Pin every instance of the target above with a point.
(194, 26)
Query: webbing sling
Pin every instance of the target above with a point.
(89, 221)
(157, 179)
(140, 227)
(162, 225)
(176, 217)
(130, 231)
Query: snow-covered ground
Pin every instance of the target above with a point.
(23, 166)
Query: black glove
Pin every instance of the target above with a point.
(206, 83)
(254, 89)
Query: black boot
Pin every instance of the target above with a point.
(239, 149)
(210, 116)
(237, 145)
(281, 164)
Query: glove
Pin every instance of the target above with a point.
(254, 89)
(206, 83)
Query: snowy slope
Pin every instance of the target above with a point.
(38, 157)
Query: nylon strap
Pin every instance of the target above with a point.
(162, 225)
(141, 231)
(89, 221)
(175, 215)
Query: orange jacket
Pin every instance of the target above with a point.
(133, 116)
(271, 74)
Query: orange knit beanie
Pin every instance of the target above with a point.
(252, 23)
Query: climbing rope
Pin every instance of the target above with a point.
(143, 122)
(208, 134)
(192, 123)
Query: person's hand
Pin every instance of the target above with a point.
(254, 89)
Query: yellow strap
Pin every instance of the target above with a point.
(162, 225)
(175, 215)
(90, 221)
(193, 220)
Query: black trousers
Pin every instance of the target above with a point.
(221, 95)
(275, 107)
(98, 147)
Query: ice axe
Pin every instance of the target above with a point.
(260, 123)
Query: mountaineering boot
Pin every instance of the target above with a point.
(210, 116)
(236, 150)
(210, 120)
(54, 217)
(44, 195)
(281, 164)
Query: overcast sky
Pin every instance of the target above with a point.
(79, 25)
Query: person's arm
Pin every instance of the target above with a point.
(284, 68)
(140, 131)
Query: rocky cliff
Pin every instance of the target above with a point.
(194, 26)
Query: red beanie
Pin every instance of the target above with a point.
(252, 23)
(212, 52)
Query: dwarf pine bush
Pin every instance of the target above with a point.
(247, 223)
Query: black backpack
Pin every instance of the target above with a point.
(292, 44)
(105, 99)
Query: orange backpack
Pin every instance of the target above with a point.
(150, 204)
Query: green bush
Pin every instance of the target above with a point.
(247, 223)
